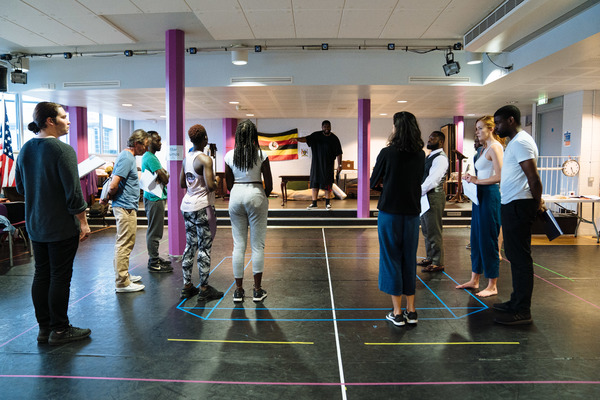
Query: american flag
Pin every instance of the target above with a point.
(7, 159)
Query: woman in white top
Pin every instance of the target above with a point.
(248, 205)
(485, 217)
(197, 206)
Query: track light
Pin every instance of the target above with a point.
(128, 53)
(68, 56)
(257, 49)
(324, 46)
(239, 56)
(193, 50)
(451, 67)
(391, 46)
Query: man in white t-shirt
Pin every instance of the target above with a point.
(521, 191)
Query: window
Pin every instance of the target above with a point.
(103, 134)
(27, 106)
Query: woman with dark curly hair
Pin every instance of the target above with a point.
(248, 205)
(398, 174)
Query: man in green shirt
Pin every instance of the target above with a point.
(155, 205)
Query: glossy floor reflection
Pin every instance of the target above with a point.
(320, 334)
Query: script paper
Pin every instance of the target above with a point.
(149, 184)
(470, 190)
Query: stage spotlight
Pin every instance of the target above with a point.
(193, 50)
(451, 67)
(324, 46)
(391, 46)
(128, 53)
(68, 55)
(457, 46)
(257, 49)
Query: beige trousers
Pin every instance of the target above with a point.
(126, 229)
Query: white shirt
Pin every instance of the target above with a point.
(439, 166)
(251, 175)
(514, 184)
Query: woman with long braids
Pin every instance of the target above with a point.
(398, 174)
(248, 205)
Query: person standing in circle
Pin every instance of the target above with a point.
(399, 165)
(485, 216)
(46, 174)
(197, 206)
(248, 205)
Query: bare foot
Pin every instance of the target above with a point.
(469, 285)
(487, 292)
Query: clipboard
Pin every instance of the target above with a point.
(551, 227)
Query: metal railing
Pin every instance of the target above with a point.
(554, 182)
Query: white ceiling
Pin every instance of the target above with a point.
(85, 26)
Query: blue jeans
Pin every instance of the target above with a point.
(52, 281)
(398, 243)
(485, 228)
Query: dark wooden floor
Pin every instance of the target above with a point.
(320, 334)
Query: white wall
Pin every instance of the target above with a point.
(345, 128)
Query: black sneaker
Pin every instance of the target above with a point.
(424, 262)
(397, 320)
(70, 334)
(238, 295)
(503, 307)
(163, 261)
(259, 295)
(209, 294)
(312, 207)
(410, 317)
(514, 319)
(159, 267)
(43, 335)
(190, 292)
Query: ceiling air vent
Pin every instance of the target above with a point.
(491, 19)
(438, 80)
(278, 80)
(92, 84)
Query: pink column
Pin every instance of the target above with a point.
(78, 139)
(78, 132)
(364, 162)
(459, 123)
(229, 127)
(175, 90)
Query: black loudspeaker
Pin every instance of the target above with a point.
(3, 80)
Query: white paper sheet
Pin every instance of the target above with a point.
(470, 190)
(424, 204)
(88, 165)
(148, 183)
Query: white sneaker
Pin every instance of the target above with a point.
(133, 287)
(134, 278)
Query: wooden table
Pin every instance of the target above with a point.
(579, 201)
(290, 178)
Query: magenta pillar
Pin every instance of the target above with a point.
(78, 131)
(364, 161)
(175, 91)
(459, 124)
(229, 127)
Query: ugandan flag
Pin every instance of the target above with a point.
(280, 146)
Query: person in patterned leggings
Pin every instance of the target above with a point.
(197, 206)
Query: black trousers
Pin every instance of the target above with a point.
(517, 219)
(52, 281)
